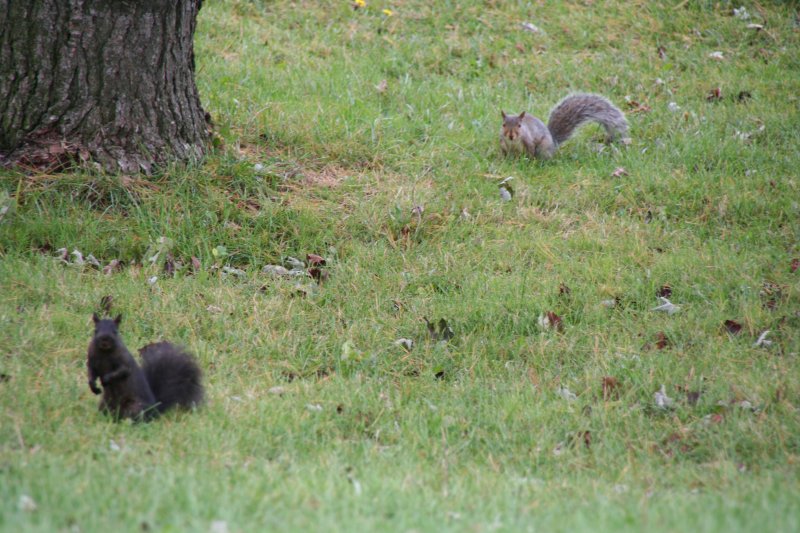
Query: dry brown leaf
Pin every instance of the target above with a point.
(619, 171)
(610, 388)
(733, 327)
(665, 291)
(661, 340)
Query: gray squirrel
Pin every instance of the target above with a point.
(526, 133)
(168, 377)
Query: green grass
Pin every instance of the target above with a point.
(471, 434)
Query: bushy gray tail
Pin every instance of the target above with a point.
(173, 375)
(576, 109)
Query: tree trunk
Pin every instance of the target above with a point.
(105, 80)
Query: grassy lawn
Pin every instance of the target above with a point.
(370, 138)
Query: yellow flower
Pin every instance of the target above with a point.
(387, 12)
(359, 3)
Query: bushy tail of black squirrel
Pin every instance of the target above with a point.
(173, 376)
(576, 109)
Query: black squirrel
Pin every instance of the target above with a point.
(526, 133)
(168, 377)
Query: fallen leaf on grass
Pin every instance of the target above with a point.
(714, 95)
(110, 268)
(219, 252)
(303, 290)
(506, 191)
(295, 263)
(231, 225)
(665, 291)
(276, 271)
(794, 265)
(530, 27)
(550, 320)
(610, 388)
(762, 340)
(315, 260)
(356, 484)
(587, 437)
(666, 306)
(350, 352)
(619, 171)
(779, 392)
(661, 340)
(771, 294)
(105, 304)
(407, 344)
(566, 394)
(239, 273)
(747, 136)
(318, 274)
(741, 13)
(636, 107)
(662, 400)
(169, 266)
(26, 504)
(443, 333)
(733, 327)
(692, 397)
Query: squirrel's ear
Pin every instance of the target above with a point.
(503, 113)
(522, 115)
(118, 319)
(95, 318)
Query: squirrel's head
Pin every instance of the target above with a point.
(511, 125)
(106, 332)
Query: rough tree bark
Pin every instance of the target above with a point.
(106, 80)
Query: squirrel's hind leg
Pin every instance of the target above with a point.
(545, 148)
